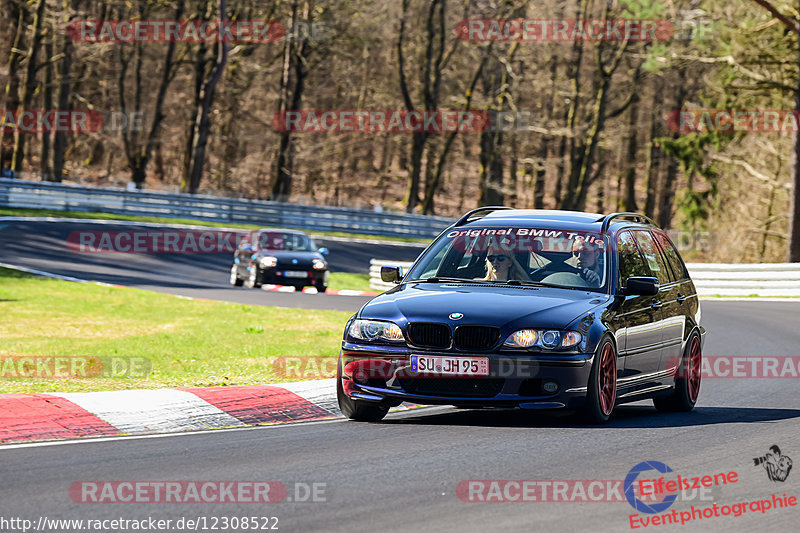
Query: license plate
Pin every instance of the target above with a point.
(294, 274)
(450, 366)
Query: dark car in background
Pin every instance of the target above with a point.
(533, 309)
(281, 257)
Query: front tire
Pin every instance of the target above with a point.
(687, 380)
(358, 410)
(235, 280)
(254, 278)
(601, 392)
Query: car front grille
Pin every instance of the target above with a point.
(429, 335)
(475, 337)
(301, 264)
(459, 387)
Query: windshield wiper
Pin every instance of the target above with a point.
(513, 282)
(439, 279)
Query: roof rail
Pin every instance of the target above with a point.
(486, 210)
(636, 217)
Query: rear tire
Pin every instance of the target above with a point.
(321, 288)
(235, 280)
(687, 380)
(358, 410)
(601, 391)
(254, 278)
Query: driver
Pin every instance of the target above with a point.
(587, 260)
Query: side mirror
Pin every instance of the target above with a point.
(391, 274)
(641, 286)
(324, 251)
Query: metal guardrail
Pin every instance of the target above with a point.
(375, 281)
(46, 195)
(710, 279)
(759, 279)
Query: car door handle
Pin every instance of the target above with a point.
(656, 305)
(680, 298)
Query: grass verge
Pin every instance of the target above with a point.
(350, 281)
(183, 343)
(23, 212)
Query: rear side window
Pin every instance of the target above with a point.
(652, 257)
(671, 255)
(630, 260)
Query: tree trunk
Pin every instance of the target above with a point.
(491, 177)
(629, 203)
(47, 104)
(793, 241)
(64, 92)
(29, 87)
(653, 163)
(11, 101)
(540, 170)
(667, 192)
(293, 77)
(203, 123)
(431, 76)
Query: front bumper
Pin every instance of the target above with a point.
(514, 380)
(287, 276)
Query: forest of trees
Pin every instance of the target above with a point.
(576, 124)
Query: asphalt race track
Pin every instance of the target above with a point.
(402, 474)
(43, 246)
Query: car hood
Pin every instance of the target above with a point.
(496, 305)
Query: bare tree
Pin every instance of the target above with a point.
(793, 244)
(202, 126)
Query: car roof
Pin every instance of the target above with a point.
(554, 219)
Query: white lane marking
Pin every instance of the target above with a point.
(154, 436)
(790, 299)
(152, 411)
(428, 410)
(43, 273)
(350, 292)
(321, 392)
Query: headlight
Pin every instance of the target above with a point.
(570, 338)
(268, 261)
(318, 264)
(375, 330)
(548, 339)
(523, 338)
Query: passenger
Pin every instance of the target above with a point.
(503, 266)
(587, 259)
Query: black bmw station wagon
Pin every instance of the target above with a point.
(532, 309)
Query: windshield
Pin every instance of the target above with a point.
(517, 255)
(287, 241)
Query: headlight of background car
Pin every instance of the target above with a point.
(318, 264)
(548, 339)
(375, 330)
(268, 261)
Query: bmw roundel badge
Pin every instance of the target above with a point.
(456, 316)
